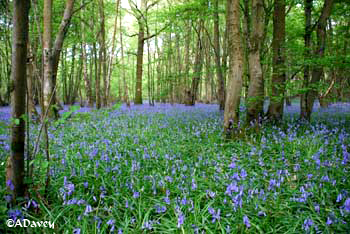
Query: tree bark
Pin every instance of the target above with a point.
(85, 69)
(275, 112)
(198, 63)
(220, 77)
(126, 95)
(317, 70)
(48, 85)
(307, 53)
(255, 99)
(140, 46)
(15, 169)
(231, 113)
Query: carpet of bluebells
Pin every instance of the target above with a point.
(167, 169)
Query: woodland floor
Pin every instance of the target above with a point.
(167, 169)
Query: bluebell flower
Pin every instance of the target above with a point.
(329, 221)
(232, 165)
(339, 197)
(317, 208)
(261, 213)
(136, 194)
(180, 220)
(88, 209)
(347, 205)
(246, 221)
(307, 224)
(10, 185)
(76, 231)
(243, 174)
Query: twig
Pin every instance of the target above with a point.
(41, 127)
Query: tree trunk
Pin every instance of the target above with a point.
(15, 167)
(307, 53)
(126, 95)
(198, 63)
(30, 77)
(102, 54)
(220, 77)
(275, 112)
(317, 70)
(85, 70)
(255, 98)
(231, 113)
(140, 45)
(48, 85)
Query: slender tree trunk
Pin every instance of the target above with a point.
(275, 112)
(48, 85)
(30, 77)
(70, 97)
(220, 77)
(197, 66)
(187, 62)
(85, 69)
(111, 57)
(125, 84)
(140, 46)
(102, 53)
(255, 100)
(307, 53)
(15, 167)
(231, 113)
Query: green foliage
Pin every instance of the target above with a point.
(66, 115)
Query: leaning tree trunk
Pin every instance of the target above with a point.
(15, 167)
(275, 112)
(255, 99)
(235, 51)
(317, 71)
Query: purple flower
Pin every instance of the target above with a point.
(232, 165)
(307, 224)
(261, 213)
(8, 198)
(317, 208)
(180, 220)
(136, 194)
(10, 185)
(167, 200)
(76, 231)
(347, 205)
(110, 222)
(194, 185)
(329, 221)
(184, 201)
(147, 225)
(88, 209)
(296, 167)
(215, 215)
(339, 197)
(246, 221)
(243, 173)
(86, 184)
